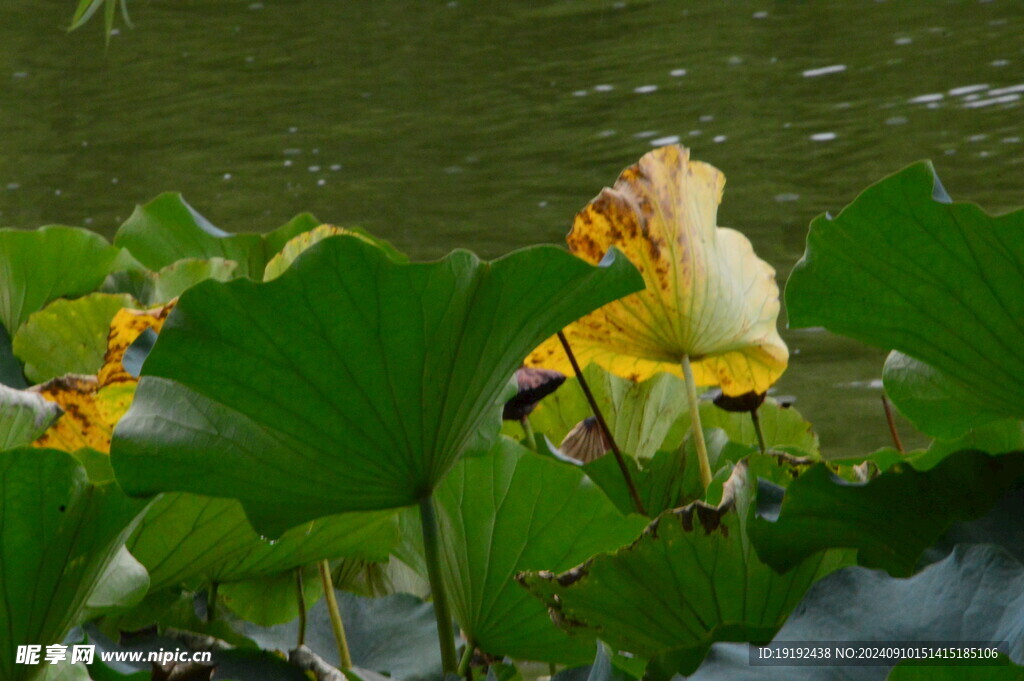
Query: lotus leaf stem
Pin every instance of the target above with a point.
(211, 602)
(757, 429)
(698, 430)
(465, 663)
(604, 425)
(431, 549)
(892, 425)
(302, 607)
(531, 439)
(332, 607)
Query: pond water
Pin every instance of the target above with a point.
(487, 125)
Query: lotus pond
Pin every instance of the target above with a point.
(456, 125)
(315, 453)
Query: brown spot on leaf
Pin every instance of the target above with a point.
(83, 423)
(125, 328)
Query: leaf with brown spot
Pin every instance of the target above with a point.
(692, 578)
(24, 416)
(68, 336)
(84, 423)
(708, 296)
(94, 404)
(125, 328)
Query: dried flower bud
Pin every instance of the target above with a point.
(534, 385)
(586, 441)
(746, 402)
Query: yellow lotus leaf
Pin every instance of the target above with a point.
(277, 265)
(83, 423)
(300, 242)
(94, 404)
(708, 296)
(125, 328)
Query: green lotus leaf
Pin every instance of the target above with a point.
(1001, 436)
(915, 671)
(62, 535)
(171, 281)
(64, 671)
(68, 336)
(934, 402)
(100, 671)
(191, 539)
(167, 229)
(903, 268)
(605, 667)
(122, 585)
(638, 414)
(782, 427)
(166, 608)
(271, 600)
(692, 578)
(349, 383)
(669, 479)
(24, 416)
(242, 663)
(511, 511)
(48, 263)
(974, 594)
(299, 243)
(503, 671)
(661, 483)
(394, 635)
(11, 371)
(890, 519)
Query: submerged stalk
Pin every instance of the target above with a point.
(431, 549)
(698, 430)
(332, 608)
(604, 425)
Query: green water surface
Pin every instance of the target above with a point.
(487, 125)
